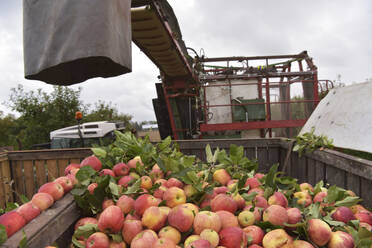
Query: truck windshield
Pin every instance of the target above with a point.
(60, 143)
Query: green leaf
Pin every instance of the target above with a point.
(134, 188)
(24, 199)
(86, 230)
(11, 206)
(318, 187)
(3, 235)
(249, 197)
(116, 237)
(364, 233)
(332, 222)
(77, 243)
(334, 193)
(23, 242)
(270, 177)
(114, 188)
(208, 152)
(365, 243)
(78, 191)
(99, 152)
(348, 201)
(85, 174)
(314, 211)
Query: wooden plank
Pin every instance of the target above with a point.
(28, 167)
(2, 187)
(263, 159)
(320, 170)
(353, 183)
(62, 164)
(311, 171)
(51, 165)
(225, 143)
(75, 161)
(293, 172)
(301, 169)
(18, 178)
(48, 226)
(365, 194)
(250, 153)
(335, 176)
(273, 156)
(50, 154)
(6, 180)
(41, 174)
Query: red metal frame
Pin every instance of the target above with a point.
(283, 71)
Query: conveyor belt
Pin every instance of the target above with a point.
(150, 35)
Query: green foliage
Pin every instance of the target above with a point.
(3, 235)
(309, 142)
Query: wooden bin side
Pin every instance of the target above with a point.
(334, 168)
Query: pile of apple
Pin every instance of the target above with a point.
(165, 217)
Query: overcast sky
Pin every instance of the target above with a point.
(336, 33)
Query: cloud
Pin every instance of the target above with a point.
(336, 34)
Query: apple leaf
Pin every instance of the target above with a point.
(86, 230)
(364, 233)
(334, 194)
(209, 154)
(164, 144)
(117, 238)
(3, 235)
(77, 243)
(78, 191)
(24, 199)
(318, 187)
(270, 177)
(313, 211)
(85, 174)
(134, 188)
(249, 197)
(332, 222)
(348, 201)
(99, 152)
(11, 206)
(23, 242)
(365, 243)
(114, 188)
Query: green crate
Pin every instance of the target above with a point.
(256, 112)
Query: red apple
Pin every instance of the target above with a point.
(232, 237)
(301, 244)
(105, 172)
(341, 239)
(107, 202)
(145, 239)
(130, 229)
(117, 245)
(28, 211)
(156, 173)
(125, 180)
(259, 191)
(174, 196)
(42, 201)
(276, 238)
(121, 169)
(278, 198)
(364, 216)
(174, 182)
(306, 187)
(254, 234)
(319, 197)
(84, 221)
(146, 182)
(133, 162)
(171, 233)
(261, 202)
(303, 198)
(70, 167)
(210, 235)
(227, 219)
(111, 220)
(181, 218)
(54, 189)
(125, 203)
(221, 176)
(220, 190)
(224, 202)
(191, 239)
(159, 192)
(319, 231)
(164, 243)
(153, 218)
(93, 162)
(143, 202)
(276, 215)
(97, 240)
(206, 220)
(92, 187)
(12, 221)
(343, 214)
(259, 175)
(200, 243)
(252, 183)
(66, 183)
(294, 215)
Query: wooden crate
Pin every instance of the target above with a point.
(56, 223)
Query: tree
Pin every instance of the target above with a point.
(7, 130)
(42, 112)
(106, 112)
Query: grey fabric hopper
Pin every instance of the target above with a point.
(69, 41)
